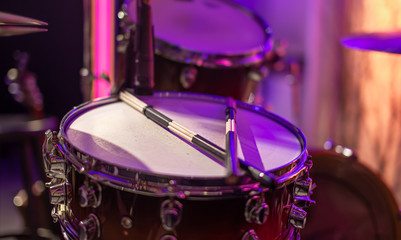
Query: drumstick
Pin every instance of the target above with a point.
(232, 163)
(265, 178)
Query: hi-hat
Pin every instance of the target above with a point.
(389, 42)
(11, 24)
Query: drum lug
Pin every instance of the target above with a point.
(250, 235)
(170, 213)
(127, 222)
(54, 162)
(302, 187)
(90, 195)
(54, 215)
(188, 76)
(303, 201)
(60, 193)
(257, 74)
(256, 210)
(89, 228)
(297, 217)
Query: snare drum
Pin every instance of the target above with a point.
(207, 46)
(118, 175)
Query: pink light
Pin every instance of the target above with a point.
(103, 45)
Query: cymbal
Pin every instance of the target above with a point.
(11, 25)
(389, 42)
(6, 31)
(12, 19)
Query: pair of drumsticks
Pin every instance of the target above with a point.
(234, 165)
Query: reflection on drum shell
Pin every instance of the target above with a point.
(201, 219)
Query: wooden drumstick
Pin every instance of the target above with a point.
(264, 178)
(232, 164)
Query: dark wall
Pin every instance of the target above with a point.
(55, 56)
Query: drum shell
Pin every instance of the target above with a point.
(353, 200)
(227, 82)
(201, 219)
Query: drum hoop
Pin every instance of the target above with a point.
(211, 60)
(132, 180)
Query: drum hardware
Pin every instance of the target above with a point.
(54, 162)
(88, 78)
(255, 75)
(168, 237)
(127, 222)
(90, 194)
(60, 193)
(142, 81)
(188, 76)
(256, 209)
(231, 158)
(250, 235)
(303, 187)
(265, 179)
(170, 213)
(303, 201)
(89, 228)
(302, 191)
(297, 217)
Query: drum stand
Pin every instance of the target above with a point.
(24, 137)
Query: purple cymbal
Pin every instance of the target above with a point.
(11, 25)
(383, 42)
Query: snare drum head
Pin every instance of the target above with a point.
(206, 26)
(115, 133)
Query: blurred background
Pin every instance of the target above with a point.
(350, 96)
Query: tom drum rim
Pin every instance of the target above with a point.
(217, 12)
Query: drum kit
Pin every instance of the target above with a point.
(177, 151)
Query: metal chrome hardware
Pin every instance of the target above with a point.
(302, 187)
(90, 195)
(170, 213)
(60, 193)
(127, 222)
(168, 237)
(256, 210)
(89, 228)
(250, 235)
(188, 76)
(257, 74)
(309, 162)
(297, 217)
(303, 201)
(54, 162)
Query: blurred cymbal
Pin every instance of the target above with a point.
(12, 19)
(389, 42)
(11, 25)
(6, 31)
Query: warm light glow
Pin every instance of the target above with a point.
(372, 92)
(102, 46)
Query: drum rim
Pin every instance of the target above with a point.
(132, 180)
(214, 60)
